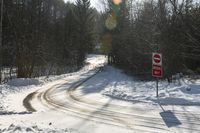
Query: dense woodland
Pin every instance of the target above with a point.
(171, 27)
(42, 37)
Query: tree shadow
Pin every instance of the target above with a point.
(109, 79)
(99, 82)
(175, 101)
(92, 115)
(14, 113)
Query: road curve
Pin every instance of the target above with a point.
(132, 118)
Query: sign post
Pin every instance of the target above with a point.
(157, 69)
(156, 87)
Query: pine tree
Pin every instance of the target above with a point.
(84, 23)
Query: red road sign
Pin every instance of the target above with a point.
(157, 70)
(157, 59)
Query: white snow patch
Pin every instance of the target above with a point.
(15, 118)
(22, 87)
(127, 88)
(114, 83)
(34, 129)
(111, 85)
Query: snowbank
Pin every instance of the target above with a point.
(22, 85)
(127, 88)
(32, 129)
(15, 118)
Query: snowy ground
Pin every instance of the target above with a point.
(24, 86)
(110, 101)
(112, 82)
(182, 92)
(14, 92)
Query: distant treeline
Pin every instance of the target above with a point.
(171, 27)
(42, 37)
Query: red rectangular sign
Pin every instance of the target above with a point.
(157, 71)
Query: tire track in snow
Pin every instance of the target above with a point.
(101, 114)
(92, 110)
(27, 104)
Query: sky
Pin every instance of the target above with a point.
(94, 3)
(97, 4)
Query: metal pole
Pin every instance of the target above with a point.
(156, 87)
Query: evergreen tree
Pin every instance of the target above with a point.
(85, 28)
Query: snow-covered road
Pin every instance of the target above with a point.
(76, 103)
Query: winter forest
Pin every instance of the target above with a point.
(43, 37)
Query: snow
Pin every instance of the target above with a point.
(22, 85)
(129, 89)
(111, 101)
(113, 83)
(31, 129)
(23, 82)
(13, 93)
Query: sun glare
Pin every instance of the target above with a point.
(117, 2)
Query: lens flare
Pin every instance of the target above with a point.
(116, 8)
(111, 21)
(106, 43)
(117, 2)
